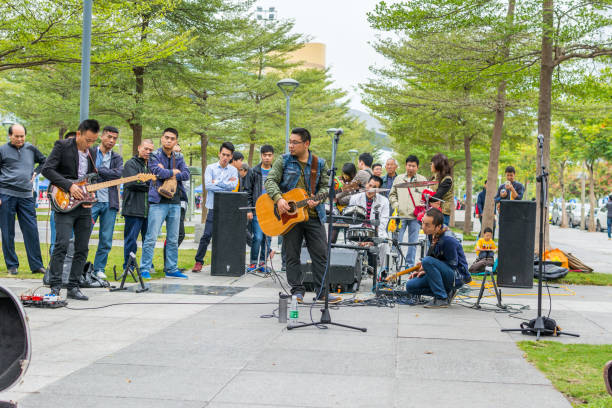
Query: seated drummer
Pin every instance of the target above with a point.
(373, 202)
(444, 269)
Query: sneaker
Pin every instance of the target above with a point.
(252, 268)
(451, 295)
(101, 275)
(177, 275)
(436, 303)
(263, 268)
(145, 275)
(13, 271)
(197, 267)
(331, 298)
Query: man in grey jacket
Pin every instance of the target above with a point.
(17, 159)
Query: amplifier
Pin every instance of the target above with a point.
(345, 270)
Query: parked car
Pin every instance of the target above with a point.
(573, 214)
(601, 219)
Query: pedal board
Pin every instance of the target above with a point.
(43, 302)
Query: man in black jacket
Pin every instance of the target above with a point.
(70, 160)
(109, 166)
(135, 200)
(255, 188)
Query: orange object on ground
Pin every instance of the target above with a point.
(556, 255)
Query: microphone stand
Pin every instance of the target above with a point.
(539, 327)
(325, 316)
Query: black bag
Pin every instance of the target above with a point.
(549, 272)
(549, 324)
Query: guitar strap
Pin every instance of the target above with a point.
(314, 166)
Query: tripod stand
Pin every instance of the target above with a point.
(325, 316)
(542, 325)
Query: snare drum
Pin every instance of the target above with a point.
(360, 234)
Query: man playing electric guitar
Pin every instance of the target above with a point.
(302, 169)
(70, 160)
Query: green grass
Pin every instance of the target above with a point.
(574, 369)
(115, 257)
(577, 278)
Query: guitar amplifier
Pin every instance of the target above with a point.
(345, 270)
(229, 234)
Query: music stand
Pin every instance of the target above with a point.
(325, 315)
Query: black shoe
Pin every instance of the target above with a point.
(76, 294)
(13, 271)
(436, 303)
(40, 270)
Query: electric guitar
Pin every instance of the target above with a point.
(63, 202)
(272, 223)
(411, 184)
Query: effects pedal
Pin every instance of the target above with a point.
(48, 301)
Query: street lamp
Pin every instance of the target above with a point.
(85, 58)
(353, 154)
(288, 87)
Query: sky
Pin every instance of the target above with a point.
(343, 27)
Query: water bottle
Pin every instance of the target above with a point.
(293, 314)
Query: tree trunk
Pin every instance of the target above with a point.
(591, 168)
(61, 133)
(562, 182)
(582, 200)
(136, 123)
(488, 216)
(203, 150)
(467, 224)
(251, 154)
(544, 108)
(453, 206)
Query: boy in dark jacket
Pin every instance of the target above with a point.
(135, 206)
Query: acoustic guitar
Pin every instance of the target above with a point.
(273, 224)
(63, 202)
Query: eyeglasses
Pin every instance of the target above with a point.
(295, 142)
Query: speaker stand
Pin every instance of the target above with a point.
(325, 315)
(495, 288)
(539, 327)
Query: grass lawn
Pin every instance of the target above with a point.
(115, 257)
(574, 369)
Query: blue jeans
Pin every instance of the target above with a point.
(609, 227)
(259, 252)
(413, 227)
(107, 218)
(439, 279)
(133, 227)
(158, 213)
(52, 232)
(26, 214)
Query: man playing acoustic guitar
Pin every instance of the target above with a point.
(72, 159)
(302, 169)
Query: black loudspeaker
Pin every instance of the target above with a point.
(345, 270)
(14, 341)
(229, 234)
(517, 222)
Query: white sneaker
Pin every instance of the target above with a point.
(101, 275)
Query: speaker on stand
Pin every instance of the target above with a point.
(229, 234)
(517, 222)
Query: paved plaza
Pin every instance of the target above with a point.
(223, 353)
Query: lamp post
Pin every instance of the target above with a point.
(85, 58)
(353, 153)
(288, 87)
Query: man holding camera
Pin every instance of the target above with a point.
(511, 189)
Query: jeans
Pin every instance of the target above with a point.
(259, 252)
(133, 227)
(609, 227)
(107, 218)
(79, 221)
(158, 213)
(439, 279)
(413, 227)
(181, 235)
(26, 214)
(316, 241)
(205, 240)
(52, 231)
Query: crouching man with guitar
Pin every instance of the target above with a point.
(300, 169)
(70, 160)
